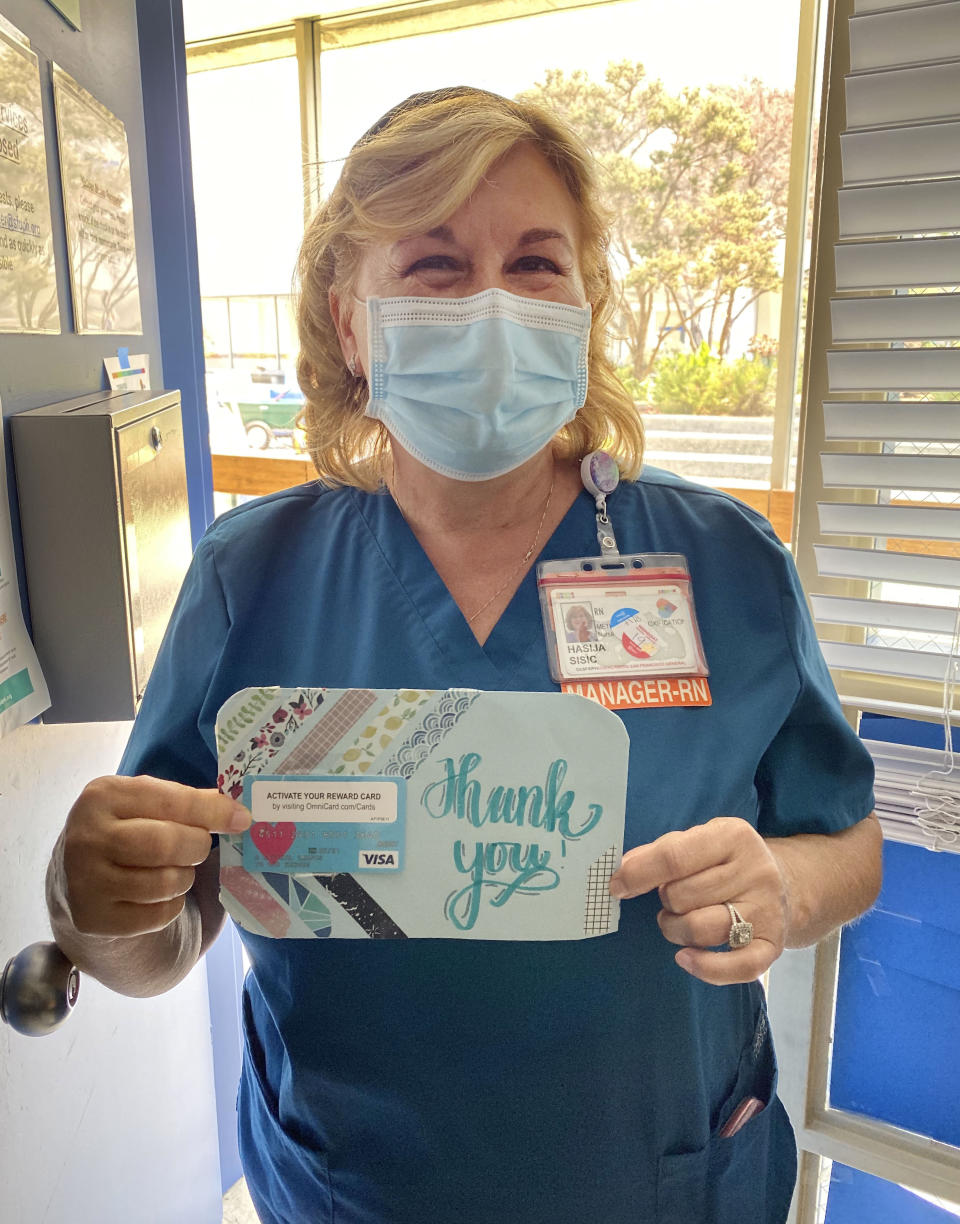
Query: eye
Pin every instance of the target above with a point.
(536, 263)
(433, 263)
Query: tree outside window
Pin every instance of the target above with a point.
(696, 181)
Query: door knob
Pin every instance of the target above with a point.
(38, 990)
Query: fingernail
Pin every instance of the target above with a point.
(617, 888)
(684, 960)
(240, 819)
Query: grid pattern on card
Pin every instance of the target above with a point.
(334, 725)
(597, 917)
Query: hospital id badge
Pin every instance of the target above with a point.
(626, 618)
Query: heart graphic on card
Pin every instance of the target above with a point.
(273, 840)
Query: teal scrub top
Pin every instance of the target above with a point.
(475, 1082)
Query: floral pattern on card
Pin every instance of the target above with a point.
(271, 738)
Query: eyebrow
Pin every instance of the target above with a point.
(443, 233)
(533, 236)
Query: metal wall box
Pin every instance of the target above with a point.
(106, 538)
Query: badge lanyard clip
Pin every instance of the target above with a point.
(605, 536)
(600, 476)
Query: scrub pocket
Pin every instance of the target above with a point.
(747, 1178)
(288, 1181)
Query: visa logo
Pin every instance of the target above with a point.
(379, 858)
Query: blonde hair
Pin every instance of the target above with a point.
(411, 172)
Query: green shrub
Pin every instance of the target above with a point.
(703, 384)
(639, 388)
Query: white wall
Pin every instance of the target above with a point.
(111, 1119)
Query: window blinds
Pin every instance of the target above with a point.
(906, 775)
(883, 548)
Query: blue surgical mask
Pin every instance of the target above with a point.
(474, 387)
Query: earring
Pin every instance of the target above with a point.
(352, 365)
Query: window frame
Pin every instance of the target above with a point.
(791, 310)
(803, 984)
(385, 23)
(910, 698)
(802, 1003)
(234, 50)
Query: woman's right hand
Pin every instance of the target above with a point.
(130, 849)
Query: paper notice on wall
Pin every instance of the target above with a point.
(28, 283)
(23, 690)
(128, 373)
(98, 204)
(7, 27)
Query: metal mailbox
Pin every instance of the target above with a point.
(106, 536)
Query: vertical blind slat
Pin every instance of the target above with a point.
(899, 208)
(915, 316)
(903, 95)
(933, 369)
(836, 561)
(923, 34)
(885, 660)
(892, 420)
(879, 6)
(911, 263)
(882, 614)
(854, 471)
(884, 520)
(913, 151)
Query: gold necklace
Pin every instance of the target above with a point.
(524, 560)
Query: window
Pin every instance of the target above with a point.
(373, 55)
(248, 188)
(358, 65)
(881, 554)
(879, 551)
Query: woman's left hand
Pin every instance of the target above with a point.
(697, 871)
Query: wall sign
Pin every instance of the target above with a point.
(23, 690)
(70, 9)
(98, 202)
(28, 288)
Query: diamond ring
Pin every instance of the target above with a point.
(741, 931)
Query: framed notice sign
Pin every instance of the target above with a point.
(23, 690)
(28, 288)
(69, 9)
(98, 202)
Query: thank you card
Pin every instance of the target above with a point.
(418, 813)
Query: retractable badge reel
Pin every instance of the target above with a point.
(621, 627)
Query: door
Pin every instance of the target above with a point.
(113, 1116)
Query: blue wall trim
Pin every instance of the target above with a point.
(163, 64)
(164, 78)
(224, 983)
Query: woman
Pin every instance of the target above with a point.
(441, 1080)
(580, 626)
